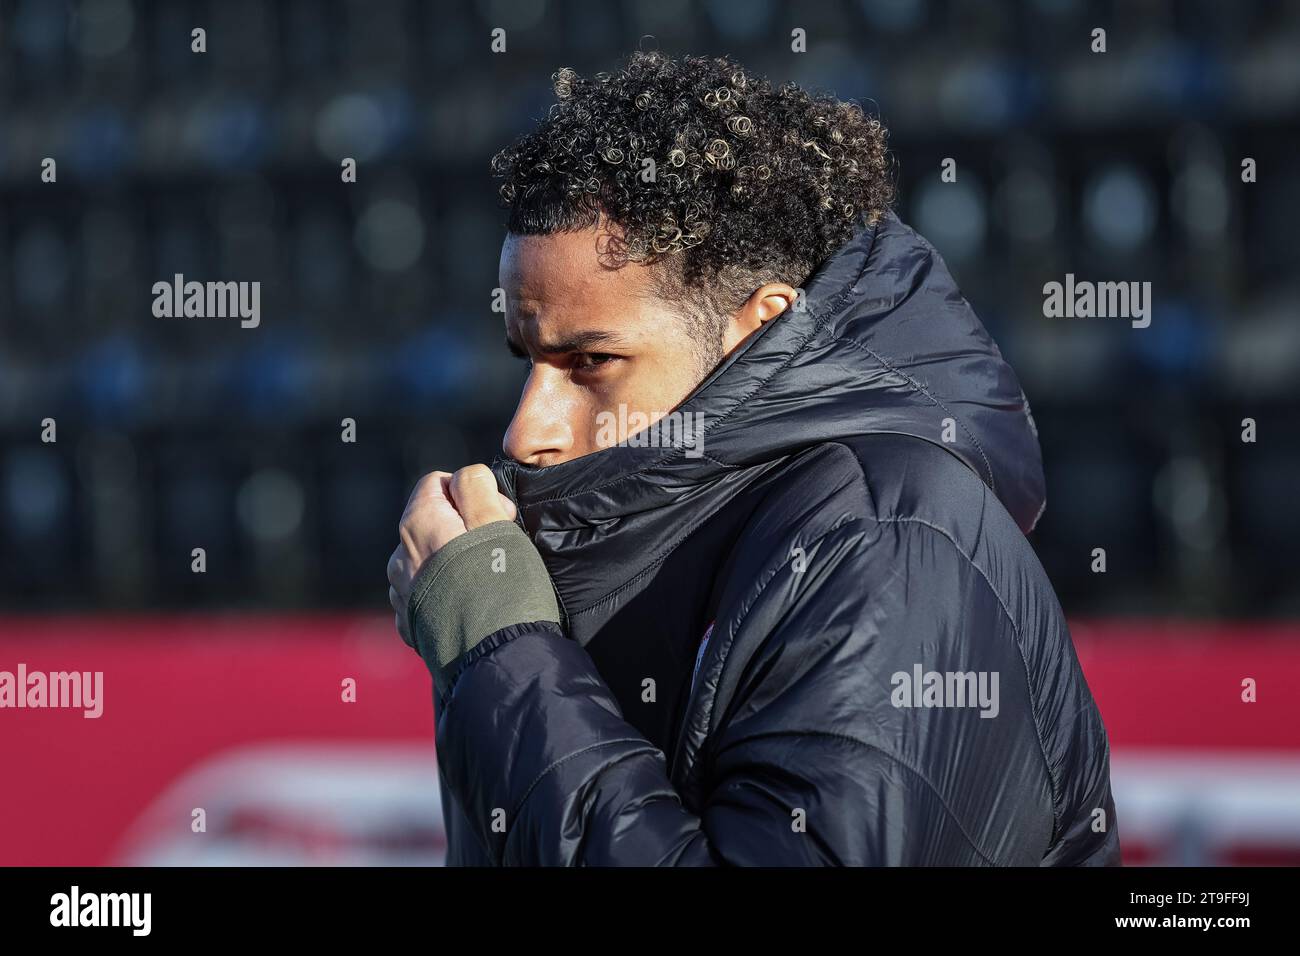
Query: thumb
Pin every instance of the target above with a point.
(475, 495)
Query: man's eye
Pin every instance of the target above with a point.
(589, 360)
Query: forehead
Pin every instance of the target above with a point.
(565, 269)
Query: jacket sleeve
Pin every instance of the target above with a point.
(533, 746)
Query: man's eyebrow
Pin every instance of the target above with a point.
(584, 341)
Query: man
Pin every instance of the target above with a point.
(810, 631)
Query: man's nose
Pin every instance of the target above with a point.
(540, 433)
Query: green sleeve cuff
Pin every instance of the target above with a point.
(486, 579)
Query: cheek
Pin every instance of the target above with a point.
(665, 383)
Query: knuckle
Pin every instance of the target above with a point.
(427, 480)
(474, 477)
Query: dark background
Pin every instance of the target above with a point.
(183, 433)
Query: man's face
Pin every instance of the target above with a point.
(595, 338)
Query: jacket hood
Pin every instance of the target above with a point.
(882, 342)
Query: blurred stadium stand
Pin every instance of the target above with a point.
(178, 434)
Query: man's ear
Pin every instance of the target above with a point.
(767, 302)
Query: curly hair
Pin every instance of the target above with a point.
(707, 170)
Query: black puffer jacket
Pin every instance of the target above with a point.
(855, 521)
